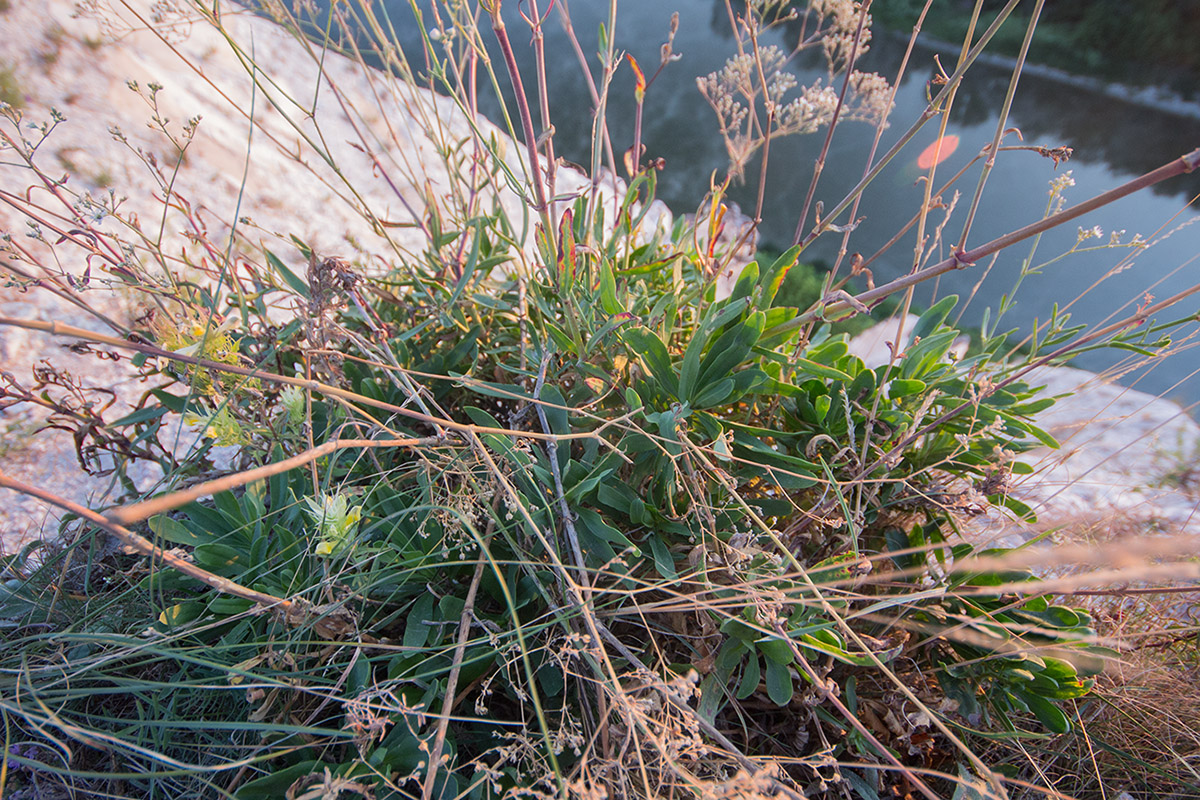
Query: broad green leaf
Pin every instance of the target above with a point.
(276, 784)
(747, 280)
(829, 353)
(417, 628)
(550, 679)
(934, 317)
(822, 371)
(664, 562)
(718, 315)
(689, 371)
(561, 340)
(229, 606)
(176, 532)
(217, 557)
(729, 656)
(143, 415)
(731, 349)
(733, 626)
(1047, 712)
(554, 407)
(15, 600)
(820, 643)
(903, 387)
(712, 696)
(776, 649)
(294, 281)
(181, 613)
(779, 684)
(921, 358)
(653, 353)
(776, 273)
(591, 523)
(714, 394)
(751, 677)
(608, 289)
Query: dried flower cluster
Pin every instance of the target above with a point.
(837, 40)
(760, 73)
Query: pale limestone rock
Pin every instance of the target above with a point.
(874, 345)
(1120, 451)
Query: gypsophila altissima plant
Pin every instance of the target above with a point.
(531, 508)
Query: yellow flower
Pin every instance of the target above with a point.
(336, 521)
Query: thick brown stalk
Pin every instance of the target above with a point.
(963, 259)
(137, 512)
(148, 548)
(514, 74)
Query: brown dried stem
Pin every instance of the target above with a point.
(963, 259)
(58, 329)
(148, 548)
(137, 512)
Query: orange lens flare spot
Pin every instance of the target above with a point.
(937, 152)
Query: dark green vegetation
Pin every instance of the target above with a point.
(1150, 41)
(10, 87)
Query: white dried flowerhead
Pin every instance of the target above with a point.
(1057, 186)
(760, 73)
(871, 98)
(734, 90)
(842, 20)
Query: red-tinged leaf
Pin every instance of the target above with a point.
(567, 257)
(639, 91)
(716, 224)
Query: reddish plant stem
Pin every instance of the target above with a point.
(514, 74)
(819, 167)
(148, 548)
(963, 259)
(535, 20)
(635, 159)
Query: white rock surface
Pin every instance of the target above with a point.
(874, 345)
(1121, 450)
(1121, 453)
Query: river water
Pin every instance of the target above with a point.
(1114, 140)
